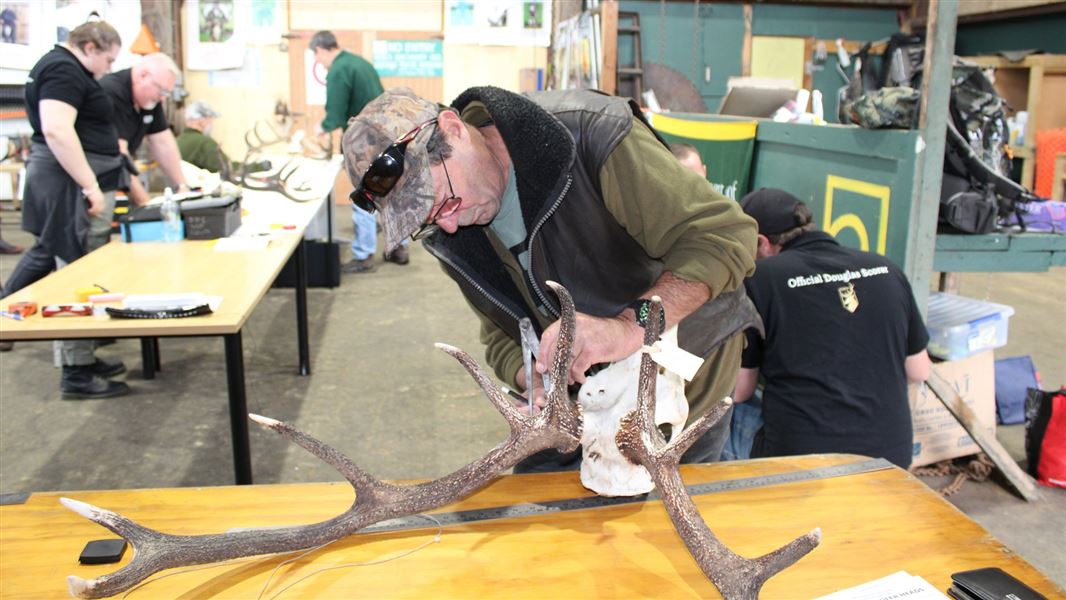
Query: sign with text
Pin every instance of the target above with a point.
(408, 58)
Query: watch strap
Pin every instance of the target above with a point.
(642, 308)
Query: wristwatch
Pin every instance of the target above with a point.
(642, 307)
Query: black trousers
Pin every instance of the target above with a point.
(35, 264)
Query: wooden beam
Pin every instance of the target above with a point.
(609, 31)
(929, 171)
(1019, 479)
(745, 52)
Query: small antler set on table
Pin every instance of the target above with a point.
(558, 426)
(262, 135)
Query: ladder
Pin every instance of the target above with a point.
(631, 76)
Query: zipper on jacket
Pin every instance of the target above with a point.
(471, 281)
(536, 228)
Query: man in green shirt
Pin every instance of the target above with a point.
(195, 143)
(198, 147)
(351, 83)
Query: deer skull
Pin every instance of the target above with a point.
(608, 396)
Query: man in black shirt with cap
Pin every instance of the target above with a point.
(843, 338)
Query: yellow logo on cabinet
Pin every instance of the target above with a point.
(833, 224)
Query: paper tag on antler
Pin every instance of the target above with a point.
(670, 356)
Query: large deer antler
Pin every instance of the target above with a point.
(557, 426)
(641, 442)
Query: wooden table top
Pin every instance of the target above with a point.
(873, 524)
(240, 277)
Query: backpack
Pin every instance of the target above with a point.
(976, 190)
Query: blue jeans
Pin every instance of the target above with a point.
(747, 421)
(365, 238)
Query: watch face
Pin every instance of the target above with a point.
(643, 310)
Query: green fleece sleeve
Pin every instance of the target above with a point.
(675, 215)
(338, 96)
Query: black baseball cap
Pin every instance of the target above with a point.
(773, 209)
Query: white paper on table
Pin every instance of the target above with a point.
(900, 584)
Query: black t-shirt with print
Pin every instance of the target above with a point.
(839, 325)
(59, 76)
(132, 123)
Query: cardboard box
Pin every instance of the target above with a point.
(937, 435)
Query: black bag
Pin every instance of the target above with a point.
(967, 206)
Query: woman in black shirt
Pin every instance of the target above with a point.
(74, 159)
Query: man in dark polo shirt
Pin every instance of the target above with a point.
(137, 94)
(843, 338)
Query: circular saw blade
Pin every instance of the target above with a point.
(673, 90)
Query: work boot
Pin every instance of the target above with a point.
(356, 265)
(79, 383)
(398, 255)
(102, 368)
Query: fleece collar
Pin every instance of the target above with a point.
(541, 148)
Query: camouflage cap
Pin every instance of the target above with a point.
(386, 118)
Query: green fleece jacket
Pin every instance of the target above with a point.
(200, 150)
(710, 242)
(351, 83)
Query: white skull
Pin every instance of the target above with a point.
(608, 396)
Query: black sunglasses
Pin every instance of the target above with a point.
(384, 171)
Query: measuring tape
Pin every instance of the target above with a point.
(558, 506)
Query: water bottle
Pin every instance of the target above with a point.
(171, 214)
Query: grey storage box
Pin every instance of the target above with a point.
(211, 217)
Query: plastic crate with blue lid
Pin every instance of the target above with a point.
(960, 327)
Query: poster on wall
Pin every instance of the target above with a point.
(29, 29)
(250, 75)
(22, 33)
(266, 22)
(498, 22)
(314, 80)
(408, 58)
(215, 34)
(125, 17)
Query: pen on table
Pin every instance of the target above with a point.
(18, 317)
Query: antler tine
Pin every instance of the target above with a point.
(736, 577)
(508, 410)
(648, 375)
(558, 426)
(560, 367)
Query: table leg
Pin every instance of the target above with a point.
(149, 356)
(301, 307)
(238, 409)
(158, 355)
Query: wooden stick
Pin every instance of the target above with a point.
(1019, 479)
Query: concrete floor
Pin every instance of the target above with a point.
(383, 395)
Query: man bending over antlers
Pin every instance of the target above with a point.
(509, 191)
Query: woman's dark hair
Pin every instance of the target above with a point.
(99, 33)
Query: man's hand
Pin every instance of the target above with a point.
(537, 393)
(96, 201)
(596, 340)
